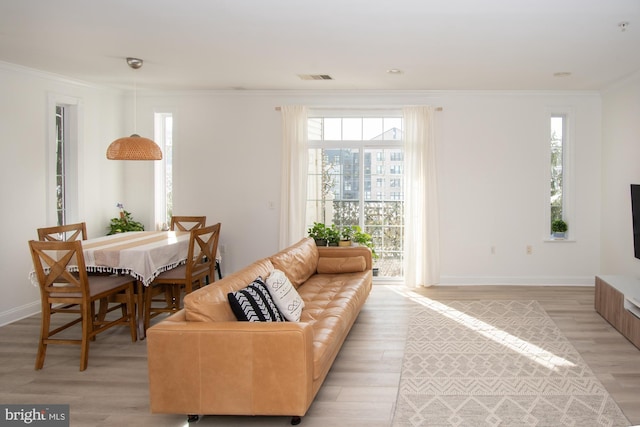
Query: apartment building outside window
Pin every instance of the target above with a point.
(347, 157)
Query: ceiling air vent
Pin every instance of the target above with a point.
(315, 77)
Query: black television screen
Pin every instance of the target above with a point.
(635, 216)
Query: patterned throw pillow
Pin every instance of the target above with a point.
(254, 304)
(285, 295)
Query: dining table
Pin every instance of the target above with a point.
(141, 254)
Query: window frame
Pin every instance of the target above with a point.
(162, 210)
(73, 117)
(568, 181)
(381, 172)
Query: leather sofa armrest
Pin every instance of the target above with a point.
(348, 251)
(230, 367)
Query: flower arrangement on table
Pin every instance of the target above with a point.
(124, 222)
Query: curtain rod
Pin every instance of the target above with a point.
(340, 108)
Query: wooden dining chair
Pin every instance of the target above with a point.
(187, 223)
(64, 233)
(75, 293)
(203, 244)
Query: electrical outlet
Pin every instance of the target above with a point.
(529, 249)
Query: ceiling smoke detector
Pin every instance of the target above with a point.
(315, 77)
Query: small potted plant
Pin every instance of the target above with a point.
(346, 235)
(124, 222)
(559, 229)
(364, 239)
(333, 235)
(319, 233)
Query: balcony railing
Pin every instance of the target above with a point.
(384, 221)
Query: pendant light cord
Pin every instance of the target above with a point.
(135, 105)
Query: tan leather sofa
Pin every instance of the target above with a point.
(203, 361)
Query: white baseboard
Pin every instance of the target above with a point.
(519, 280)
(18, 313)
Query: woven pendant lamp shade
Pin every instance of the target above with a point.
(134, 147)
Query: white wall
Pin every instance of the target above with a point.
(24, 133)
(227, 166)
(621, 167)
(492, 176)
(494, 189)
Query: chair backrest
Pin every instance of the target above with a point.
(66, 233)
(203, 245)
(187, 223)
(54, 262)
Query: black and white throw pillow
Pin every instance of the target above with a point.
(254, 304)
(285, 295)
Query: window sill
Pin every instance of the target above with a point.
(551, 240)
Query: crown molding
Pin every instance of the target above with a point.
(50, 76)
(624, 81)
(349, 93)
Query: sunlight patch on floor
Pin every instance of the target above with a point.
(527, 349)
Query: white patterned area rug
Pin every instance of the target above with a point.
(496, 363)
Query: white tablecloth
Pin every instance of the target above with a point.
(141, 254)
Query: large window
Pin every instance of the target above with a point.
(356, 178)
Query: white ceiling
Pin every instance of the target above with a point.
(265, 44)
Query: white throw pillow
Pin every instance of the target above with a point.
(285, 295)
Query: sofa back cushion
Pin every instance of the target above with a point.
(333, 265)
(298, 262)
(211, 304)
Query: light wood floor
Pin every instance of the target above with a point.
(360, 390)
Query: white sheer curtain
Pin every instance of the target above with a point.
(421, 230)
(293, 188)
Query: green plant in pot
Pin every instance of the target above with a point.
(333, 235)
(364, 239)
(559, 229)
(346, 235)
(124, 223)
(319, 233)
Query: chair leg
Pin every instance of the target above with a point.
(131, 310)
(219, 270)
(87, 334)
(176, 290)
(100, 316)
(169, 296)
(44, 334)
(102, 309)
(148, 295)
